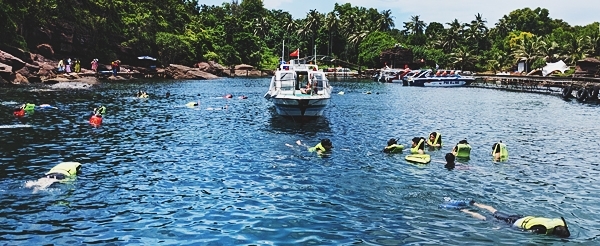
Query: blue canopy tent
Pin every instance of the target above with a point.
(148, 61)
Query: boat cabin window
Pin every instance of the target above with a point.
(286, 80)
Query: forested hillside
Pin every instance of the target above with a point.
(184, 32)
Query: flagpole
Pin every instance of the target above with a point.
(283, 51)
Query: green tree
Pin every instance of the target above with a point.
(371, 47)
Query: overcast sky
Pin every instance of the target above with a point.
(574, 12)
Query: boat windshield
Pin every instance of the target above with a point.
(286, 81)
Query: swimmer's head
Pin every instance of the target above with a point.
(450, 158)
(464, 141)
(391, 142)
(561, 231)
(326, 143)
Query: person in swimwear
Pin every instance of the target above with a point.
(322, 147)
(435, 139)
(539, 225)
(418, 145)
(393, 146)
(62, 172)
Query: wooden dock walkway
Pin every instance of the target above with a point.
(581, 88)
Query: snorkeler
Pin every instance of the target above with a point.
(462, 149)
(393, 146)
(61, 172)
(540, 225)
(324, 146)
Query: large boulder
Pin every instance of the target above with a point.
(210, 67)
(18, 79)
(11, 60)
(183, 72)
(30, 72)
(5, 68)
(46, 70)
(45, 50)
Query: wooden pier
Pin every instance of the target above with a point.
(580, 88)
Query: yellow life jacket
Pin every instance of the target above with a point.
(463, 150)
(436, 140)
(66, 168)
(503, 150)
(416, 148)
(528, 222)
(317, 147)
(394, 148)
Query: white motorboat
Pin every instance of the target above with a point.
(442, 78)
(299, 90)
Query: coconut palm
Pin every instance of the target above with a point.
(385, 21)
(574, 50)
(414, 26)
(527, 49)
(463, 58)
(548, 50)
(333, 24)
(453, 36)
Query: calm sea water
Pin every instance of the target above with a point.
(158, 172)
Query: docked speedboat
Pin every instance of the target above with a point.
(442, 78)
(299, 90)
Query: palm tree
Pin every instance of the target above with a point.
(527, 49)
(332, 23)
(290, 24)
(575, 50)
(453, 36)
(462, 57)
(311, 25)
(548, 50)
(385, 21)
(415, 26)
(261, 26)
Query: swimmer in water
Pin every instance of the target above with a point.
(64, 171)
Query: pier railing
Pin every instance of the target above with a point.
(534, 83)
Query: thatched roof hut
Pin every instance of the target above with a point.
(588, 67)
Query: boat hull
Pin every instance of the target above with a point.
(442, 82)
(300, 107)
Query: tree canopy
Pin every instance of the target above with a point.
(186, 32)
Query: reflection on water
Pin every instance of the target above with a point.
(159, 172)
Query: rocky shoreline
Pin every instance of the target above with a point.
(18, 67)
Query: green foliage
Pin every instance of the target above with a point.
(371, 47)
(182, 31)
(174, 48)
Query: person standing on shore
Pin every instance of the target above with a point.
(68, 65)
(77, 65)
(95, 65)
(61, 66)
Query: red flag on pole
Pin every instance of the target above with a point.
(296, 52)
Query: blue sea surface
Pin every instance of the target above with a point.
(229, 172)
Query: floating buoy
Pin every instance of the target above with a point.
(19, 113)
(418, 158)
(96, 120)
(341, 93)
